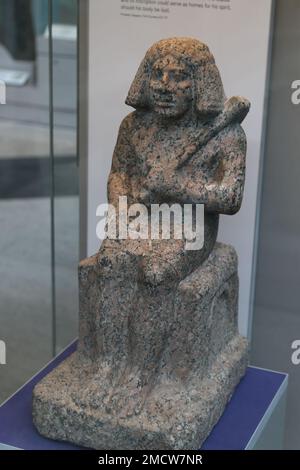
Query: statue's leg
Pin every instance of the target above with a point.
(149, 324)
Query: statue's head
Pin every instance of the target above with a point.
(175, 76)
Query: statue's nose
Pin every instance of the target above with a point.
(165, 78)
(163, 84)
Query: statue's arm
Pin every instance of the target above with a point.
(119, 177)
(222, 192)
(224, 195)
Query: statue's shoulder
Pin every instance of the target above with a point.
(126, 123)
(134, 121)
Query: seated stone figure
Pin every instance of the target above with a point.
(183, 144)
(159, 352)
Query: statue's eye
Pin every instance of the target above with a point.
(157, 74)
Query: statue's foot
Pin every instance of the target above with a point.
(134, 404)
(128, 398)
(125, 404)
(97, 387)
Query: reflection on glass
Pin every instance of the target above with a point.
(26, 304)
(25, 287)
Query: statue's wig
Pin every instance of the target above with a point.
(209, 97)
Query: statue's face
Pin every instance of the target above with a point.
(171, 87)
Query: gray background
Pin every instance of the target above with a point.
(277, 300)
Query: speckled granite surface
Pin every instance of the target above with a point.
(159, 351)
(202, 360)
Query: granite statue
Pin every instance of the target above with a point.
(159, 353)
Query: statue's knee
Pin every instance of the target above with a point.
(157, 271)
(118, 262)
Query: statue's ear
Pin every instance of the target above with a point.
(138, 95)
(210, 96)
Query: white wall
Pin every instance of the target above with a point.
(238, 39)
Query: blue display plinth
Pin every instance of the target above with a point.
(254, 418)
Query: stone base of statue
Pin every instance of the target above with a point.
(171, 404)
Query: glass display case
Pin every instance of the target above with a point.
(39, 190)
(67, 67)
